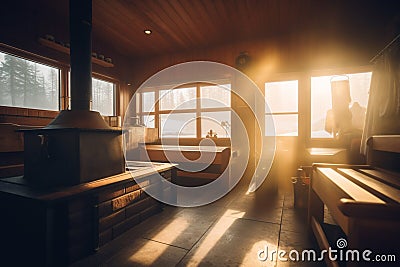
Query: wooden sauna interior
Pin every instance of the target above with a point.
(302, 123)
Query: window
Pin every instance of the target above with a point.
(188, 111)
(103, 96)
(215, 110)
(27, 84)
(178, 124)
(218, 121)
(282, 99)
(215, 97)
(178, 99)
(148, 101)
(148, 121)
(321, 101)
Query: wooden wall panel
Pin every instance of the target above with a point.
(291, 53)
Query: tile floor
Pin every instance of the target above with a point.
(228, 232)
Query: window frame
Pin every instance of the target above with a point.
(63, 68)
(22, 54)
(101, 77)
(328, 141)
(286, 77)
(197, 110)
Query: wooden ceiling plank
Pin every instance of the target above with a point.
(222, 12)
(177, 23)
(192, 24)
(151, 13)
(137, 23)
(209, 25)
(107, 25)
(146, 44)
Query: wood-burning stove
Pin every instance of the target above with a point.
(78, 146)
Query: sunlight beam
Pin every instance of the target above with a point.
(167, 235)
(216, 232)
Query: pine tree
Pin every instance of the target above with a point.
(23, 84)
(10, 70)
(53, 87)
(17, 81)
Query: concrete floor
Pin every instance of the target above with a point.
(228, 232)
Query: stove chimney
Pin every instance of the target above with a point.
(80, 25)
(80, 116)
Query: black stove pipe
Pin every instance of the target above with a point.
(80, 115)
(80, 17)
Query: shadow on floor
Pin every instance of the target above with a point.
(228, 232)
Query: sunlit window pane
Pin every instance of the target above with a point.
(148, 121)
(184, 105)
(103, 97)
(321, 101)
(215, 96)
(284, 125)
(282, 96)
(148, 99)
(27, 84)
(219, 122)
(178, 125)
(182, 98)
(281, 118)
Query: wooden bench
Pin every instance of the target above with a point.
(186, 155)
(364, 201)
